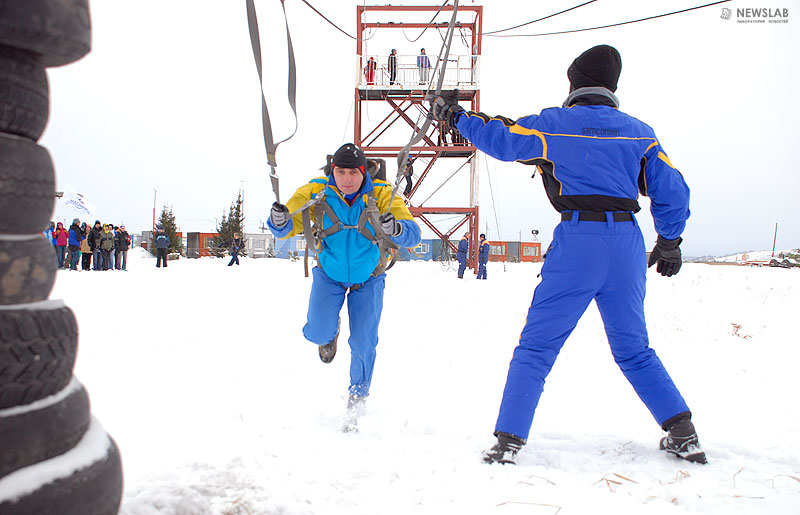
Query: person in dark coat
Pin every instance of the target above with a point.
(162, 244)
(595, 161)
(463, 251)
(122, 242)
(74, 242)
(483, 256)
(236, 246)
(393, 66)
(94, 245)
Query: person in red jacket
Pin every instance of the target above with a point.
(61, 237)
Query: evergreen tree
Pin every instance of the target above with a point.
(231, 223)
(167, 222)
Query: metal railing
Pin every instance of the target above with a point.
(462, 72)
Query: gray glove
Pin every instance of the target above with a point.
(444, 108)
(391, 226)
(668, 256)
(279, 215)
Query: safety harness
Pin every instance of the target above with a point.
(315, 233)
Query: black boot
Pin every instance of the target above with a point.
(681, 439)
(505, 450)
(328, 351)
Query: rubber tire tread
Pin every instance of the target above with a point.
(37, 354)
(59, 31)
(27, 270)
(24, 93)
(27, 186)
(93, 490)
(39, 435)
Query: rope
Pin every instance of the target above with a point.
(269, 143)
(403, 156)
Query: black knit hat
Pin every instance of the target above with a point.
(598, 66)
(350, 156)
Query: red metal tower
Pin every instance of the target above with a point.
(403, 90)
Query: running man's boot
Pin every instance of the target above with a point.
(328, 351)
(505, 450)
(681, 439)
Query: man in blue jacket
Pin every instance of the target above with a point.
(352, 216)
(483, 256)
(594, 161)
(462, 253)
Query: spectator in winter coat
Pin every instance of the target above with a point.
(369, 71)
(597, 251)
(94, 245)
(392, 64)
(463, 251)
(76, 237)
(61, 237)
(424, 65)
(122, 242)
(483, 256)
(162, 244)
(86, 252)
(48, 233)
(350, 264)
(106, 245)
(236, 246)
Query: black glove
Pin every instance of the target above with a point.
(668, 256)
(279, 215)
(391, 226)
(445, 107)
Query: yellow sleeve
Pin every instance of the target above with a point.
(398, 208)
(300, 197)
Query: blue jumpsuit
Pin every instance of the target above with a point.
(346, 262)
(483, 258)
(463, 250)
(594, 161)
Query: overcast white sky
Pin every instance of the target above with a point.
(168, 100)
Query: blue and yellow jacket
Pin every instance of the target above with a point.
(592, 157)
(483, 252)
(347, 256)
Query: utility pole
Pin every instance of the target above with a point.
(774, 239)
(154, 208)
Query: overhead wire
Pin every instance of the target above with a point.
(609, 25)
(333, 24)
(537, 20)
(491, 192)
(427, 26)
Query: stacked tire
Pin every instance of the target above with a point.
(55, 458)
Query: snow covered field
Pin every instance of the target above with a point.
(219, 406)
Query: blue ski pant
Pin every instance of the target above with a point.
(462, 266)
(604, 261)
(482, 271)
(364, 306)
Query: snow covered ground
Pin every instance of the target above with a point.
(219, 406)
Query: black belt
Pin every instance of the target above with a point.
(594, 216)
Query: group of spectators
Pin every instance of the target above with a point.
(101, 247)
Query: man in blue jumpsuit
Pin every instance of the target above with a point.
(462, 253)
(348, 261)
(594, 161)
(483, 256)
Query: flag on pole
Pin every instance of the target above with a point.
(76, 203)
